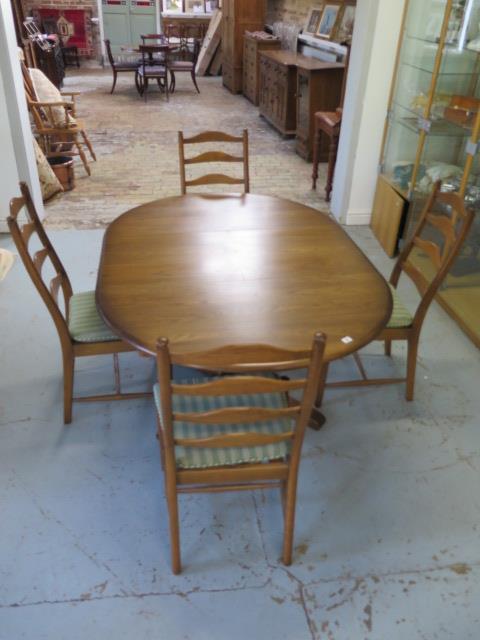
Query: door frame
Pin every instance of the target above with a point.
(158, 25)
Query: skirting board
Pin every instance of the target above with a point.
(359, 217)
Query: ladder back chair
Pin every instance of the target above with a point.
(80, 328)
(234, 432)
(440, 233)
(213, 157)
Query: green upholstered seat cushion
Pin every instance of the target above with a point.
(401, 316)
(84, 322)
(197, 458)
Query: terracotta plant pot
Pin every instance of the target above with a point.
(63, 168)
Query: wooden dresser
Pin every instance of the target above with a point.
(251, 64)
(277, 90)
(292, 88)
(319, 88)
(238, 16)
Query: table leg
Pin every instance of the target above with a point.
(316, 149)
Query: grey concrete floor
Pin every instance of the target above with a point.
(387, 536)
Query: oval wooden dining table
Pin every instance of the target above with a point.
(205, 271)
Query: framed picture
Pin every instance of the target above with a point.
(173, 6)
(194, 6)
(313, 21)
(328, 21)
(346, 24)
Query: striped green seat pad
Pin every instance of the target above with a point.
(401, 316)
(84, 322)
(198, 458)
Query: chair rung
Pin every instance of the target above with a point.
(213, 178)
(211, 488)
(237, 415)
(361, 383)
(213, 156)
(114, 396)
(212, 136)
(233, 385)
(235, 440)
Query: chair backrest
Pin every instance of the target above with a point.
(242, 359)
(28, 84)
(441, 230)
(110, 57)
(34, 264)
(215, 157)
(159, 37)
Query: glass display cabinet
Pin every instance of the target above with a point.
(432, 133)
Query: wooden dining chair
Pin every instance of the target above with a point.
(234, 432)
(119, 67)
(80, 328)
(186, 66)
(437, 240)
(150, 69)
(215, 157)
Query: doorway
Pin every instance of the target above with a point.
(124, 21)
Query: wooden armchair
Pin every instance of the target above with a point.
(438, 238)
(213, 156)
(59, 132)
(234, 433)
(81, 330)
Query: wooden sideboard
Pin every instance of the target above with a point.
(319, 88)
(277, 90)
(292, 88)
(238, 16)
(251, 64)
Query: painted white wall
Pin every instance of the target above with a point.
(17, 159)
(374, 47)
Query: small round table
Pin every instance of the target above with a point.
(205, 271)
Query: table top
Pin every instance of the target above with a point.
(205, 271)
(291, 59)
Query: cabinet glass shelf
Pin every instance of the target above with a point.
(432, 133)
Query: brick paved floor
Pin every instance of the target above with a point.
(136, 147)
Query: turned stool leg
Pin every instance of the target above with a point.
(332, 159)
(316, 149)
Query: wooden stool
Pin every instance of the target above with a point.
(329, 123)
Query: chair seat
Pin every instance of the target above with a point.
(401, 316)
(156, 71)
(199, 458)
(84, 322)
(126, 66)
(181, 65)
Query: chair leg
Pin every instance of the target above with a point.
(194, 79)
(166, 86)
(138, 83)
(82, 156)
(321, 387)
(68, 376)
(114, 81)
(411, 367)
(89, 145)
(388, 347)
(172, 504)
(172, 82)
(289, 524)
